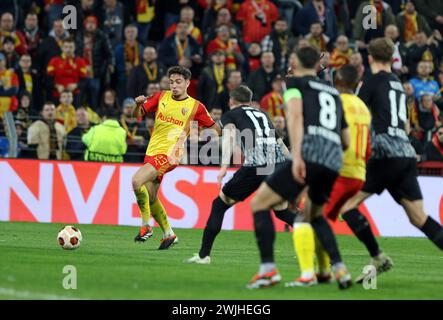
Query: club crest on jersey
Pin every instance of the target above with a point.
(184, 111)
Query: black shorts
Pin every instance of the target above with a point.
(243, 183)
(319, 179)
(397, 175)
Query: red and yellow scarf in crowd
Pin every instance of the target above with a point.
(195, 33)
(8, 79)
(318, 43)
(411, 26)
(379, 6)
(181, 47)
(227, 48)
(132, 54)
(145, 10)
(273, 105)
(219, 75)
(151, 73)
(339, 58)
(130, 133)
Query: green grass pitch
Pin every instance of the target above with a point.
(111, 266)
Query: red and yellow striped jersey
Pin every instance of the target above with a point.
(358, 118)
(173, 122)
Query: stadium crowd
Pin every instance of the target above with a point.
(58, 82)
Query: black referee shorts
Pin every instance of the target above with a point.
(319, 179)
(397, 175)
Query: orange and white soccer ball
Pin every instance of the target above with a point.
(69, 238)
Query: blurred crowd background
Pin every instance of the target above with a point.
(57, 83)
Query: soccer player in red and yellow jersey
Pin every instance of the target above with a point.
(349, 182)
(174, 112)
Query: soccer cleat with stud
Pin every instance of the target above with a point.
(197, 260)
(302, 282)
(324, 278)
(342, 276)
(144, 234)
(265, 280)
(168, 242)
(381, 262)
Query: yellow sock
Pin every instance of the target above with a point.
(304, 245)
(323, 260)
(159, 214)
(142, 196)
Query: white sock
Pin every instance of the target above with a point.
(307, 274)
(266, 267)
(168, 233)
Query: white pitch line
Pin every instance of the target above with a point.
(32, 295)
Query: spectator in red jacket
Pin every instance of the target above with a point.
(66, 72)
(7, 29)
(224, 42)
(257, 17)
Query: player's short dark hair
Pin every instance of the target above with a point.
(241, 94)
(381, 49)
(308, 56)
(348, 76)
(185, 72)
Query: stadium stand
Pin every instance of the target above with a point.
(123, 49)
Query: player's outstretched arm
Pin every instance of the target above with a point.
(217, 128)
(283, 147)
(138, 110)
(228, 143)
(294, 105)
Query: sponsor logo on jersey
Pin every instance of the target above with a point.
(169, 119)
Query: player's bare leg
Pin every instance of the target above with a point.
(265, 199)
(360, 226)
(144, 175)
(417, 216)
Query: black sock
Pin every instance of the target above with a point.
(434, 231)
(285, 215)
(213, 226)
(359, 225)
(265, 235)
(327, 238)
